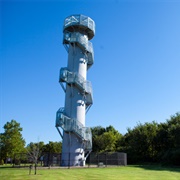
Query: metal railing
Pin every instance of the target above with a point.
(82, 42)
(49, 159)
(73, 125)
(82, 84)
(80, 20)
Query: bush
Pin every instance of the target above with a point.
(176, 157)
(172, 157)
(1, 162)
(17, 162)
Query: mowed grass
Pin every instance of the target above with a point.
(112, 173)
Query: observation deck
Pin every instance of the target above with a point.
(80, 23)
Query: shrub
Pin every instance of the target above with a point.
(1, 162)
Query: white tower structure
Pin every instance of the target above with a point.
(77, 139)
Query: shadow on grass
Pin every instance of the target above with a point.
(153, 167)
(17, 167)
(5, 167)
(159, 168)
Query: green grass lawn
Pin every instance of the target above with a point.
(114, 173)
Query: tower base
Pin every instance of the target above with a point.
(72, 154)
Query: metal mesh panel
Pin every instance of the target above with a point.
(109, 158)
(55, 159)
(82, 42)
(78, 80)
(73, 125)
(80, 20)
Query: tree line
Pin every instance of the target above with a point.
(12, 143)
(149, 142)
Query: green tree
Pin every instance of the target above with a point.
(96, 132)
(174, 131)
(161, 140)
(53, 147)
(139, 142)
(170, 151)
(105, 139)
(117, 137)
(11, 141)
(107, 142)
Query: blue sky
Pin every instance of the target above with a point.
(135, 76)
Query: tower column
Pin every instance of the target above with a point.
(77, 139)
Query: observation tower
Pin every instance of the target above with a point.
(77, 139)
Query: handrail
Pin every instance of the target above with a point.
(73, 125)
(82, 42)
(82, 84)
(83, 22)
